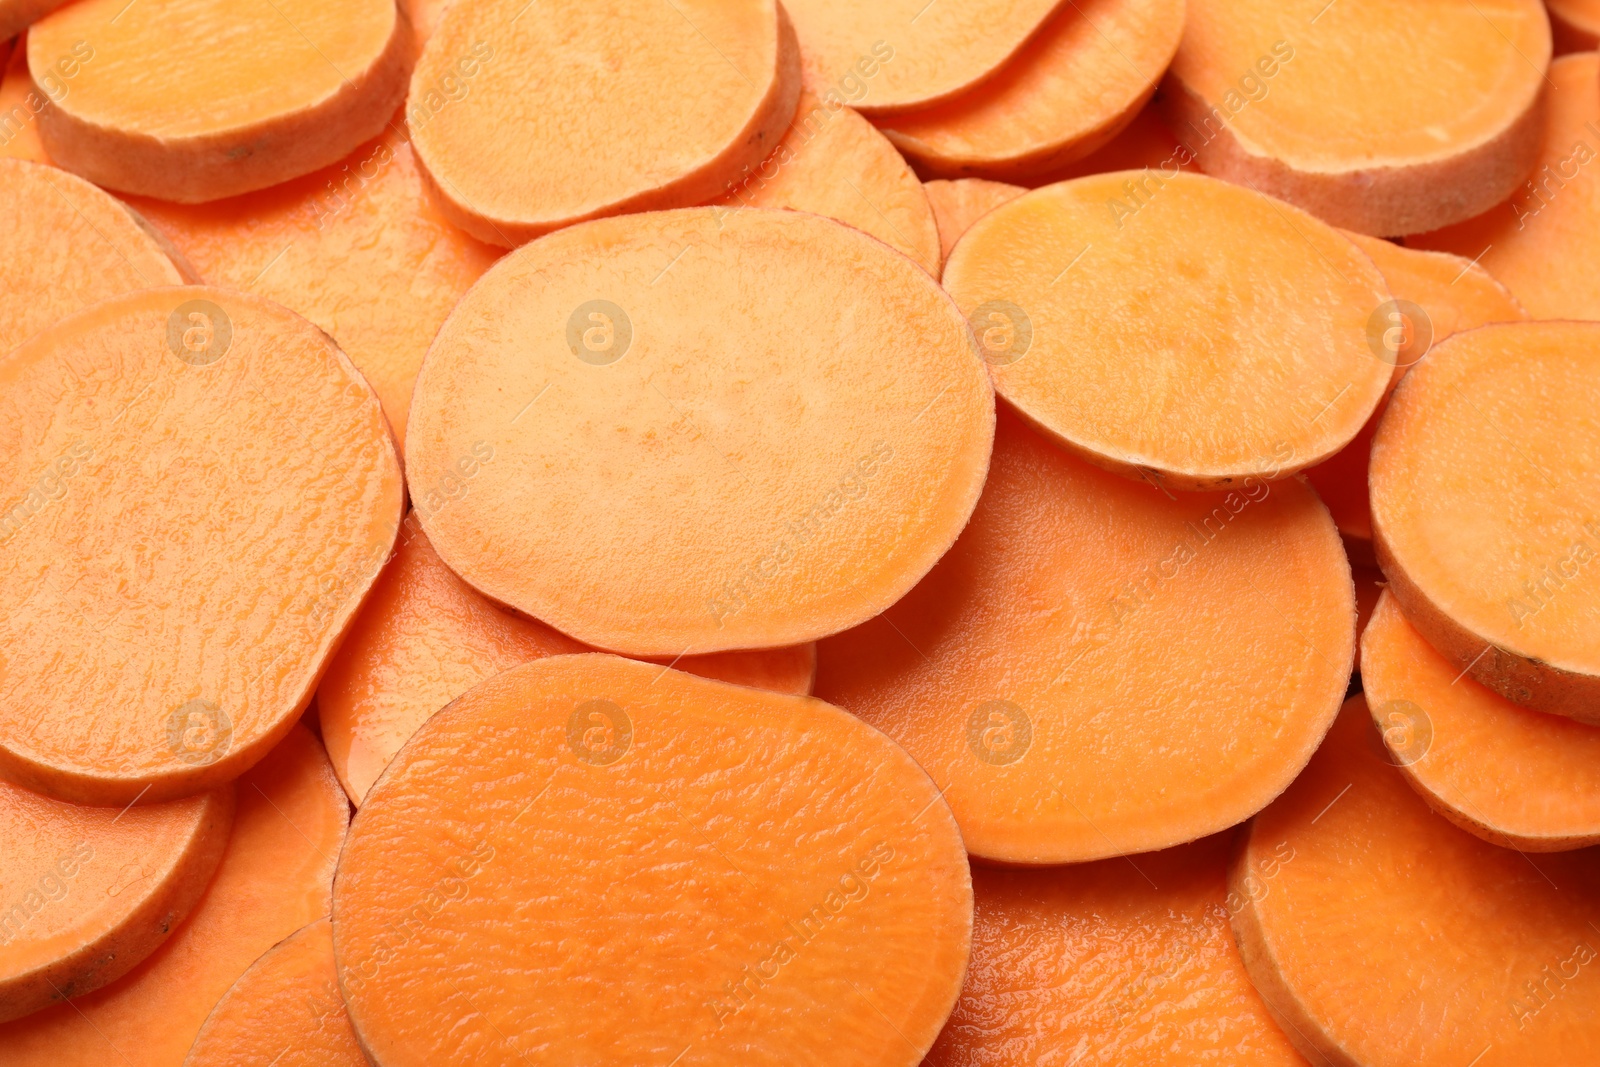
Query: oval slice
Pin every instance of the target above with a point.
(958, 203)
(290, 86)
(1071, 88)
(1006, 672)
(1395, 939)
(93, 891)
(1486, 509)
(276, 875)
(199, 490)
(712, 430)
(1174, 327)
(425, 637)
(1265, 94)
(745, 877)
(618, 106)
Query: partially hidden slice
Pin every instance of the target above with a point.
(199, 491)
(1071, 88)
(425, 637)
(18, 15)
(424, 16)
(617, 106)
(643, 382)
(1174, 327)
(1121, 963)
(92, 891)
(1394, 939)
(20, 104)
(276, 876)
(958, 203)
(1265, 93)
(288, 86)
(1485, 488)
(1006, 672)
(1574, 25)
(739, 877)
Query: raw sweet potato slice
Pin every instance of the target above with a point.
(1395, 939)
(65, 245)
(288, 86)
(284, 1011)
(1513, 776)
(20, 104)
(1116, 963)
(1006, 674)
(276, 875)
(646, 382)
(738, 877)
(1079, 81)
(425, 637)
(1266, 93)
(197, 464)
(358, 248)
(89, 892)
(618, 106)
(958, 203)
(1486, 509)
(1174, 327)
(833, 162)
(1574, 25)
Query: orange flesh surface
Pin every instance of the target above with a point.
(276, 876)
(1394, 938)
(589, 860)
(647, 495)
(1118, 963)
(113, 535)
(425, 637)
(21, 103)
(1005, 672)
(1182, 329)
(958, 203)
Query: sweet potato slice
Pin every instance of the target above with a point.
(1266, 93)
(20, 104)
(193, 463)
(833, 162)
(425, 637)
(1574, 25)
(276, 875)
(1513, 776)
(1395, 939)
(1144, 144)
(958, 203)
(1006, 674)
(289, 86)
(93, 891)
(1113, 963)
(676, 512)
(358, 248)
(1486, 509)
(284, 1011)
(1174, 327)
(1074, 86)
(618, 106)
(746, 877)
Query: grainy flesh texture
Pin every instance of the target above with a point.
(620, 106)
(585, 860)
(1454, 294)
(284, 1011)
(276, 876)
(908, 53)
(833, 162)
(65, 245)
(287, 86)
(198, 491)
(1005, 672)
(1175, 328)
(1485, 487)
(1394, 939)
(20, 104)
(357, 248)
(17, 15)
(1574, 24)
(1513, 776)
(89, 892)
(1287, 97)
(1538, 242)
(425, 637)
(959, 203)
(1112, 964)
(1070, 89)
(643, 382)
